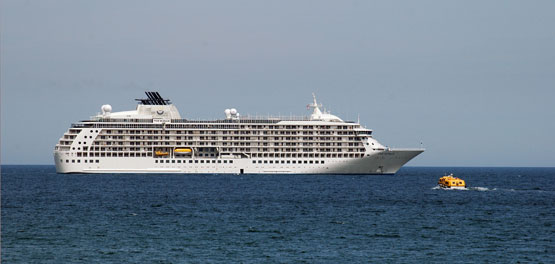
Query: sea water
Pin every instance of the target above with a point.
(506, 216)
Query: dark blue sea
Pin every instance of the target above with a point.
(507, 216)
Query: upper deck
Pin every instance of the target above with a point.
(156, 109)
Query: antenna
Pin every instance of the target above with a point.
(314, 97)
(315, 103)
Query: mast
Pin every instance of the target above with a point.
(316, 113)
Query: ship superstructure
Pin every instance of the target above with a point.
(154, 138)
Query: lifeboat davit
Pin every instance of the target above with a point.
(452, 182)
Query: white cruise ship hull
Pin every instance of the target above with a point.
(384, 162)
(155, 139)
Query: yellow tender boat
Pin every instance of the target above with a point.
(182, 150)
(161, 153)
(450, 181)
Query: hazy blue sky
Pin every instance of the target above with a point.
(473, 80)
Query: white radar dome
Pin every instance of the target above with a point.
(106, 108)
(227, 111)
(233, 111)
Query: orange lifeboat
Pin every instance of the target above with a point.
(450, 181)
(161, 153)
(182, 151)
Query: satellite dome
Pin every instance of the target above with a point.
(106, 108)
(233, 111)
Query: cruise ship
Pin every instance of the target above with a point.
(154, 138)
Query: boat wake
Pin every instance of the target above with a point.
(450, 189)
(482, 189)
(479, 189)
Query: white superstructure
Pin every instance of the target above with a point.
(155, 139)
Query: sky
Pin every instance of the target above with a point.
(473, 81)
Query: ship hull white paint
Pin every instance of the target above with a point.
(384, 162)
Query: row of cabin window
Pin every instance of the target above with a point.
(196, 126)
(294, 141)
(308, 155)
(254, 161)
(289, 161)
(229, 149)
(79, 161)
(115, 154)
(260, 155)
(194, 161)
